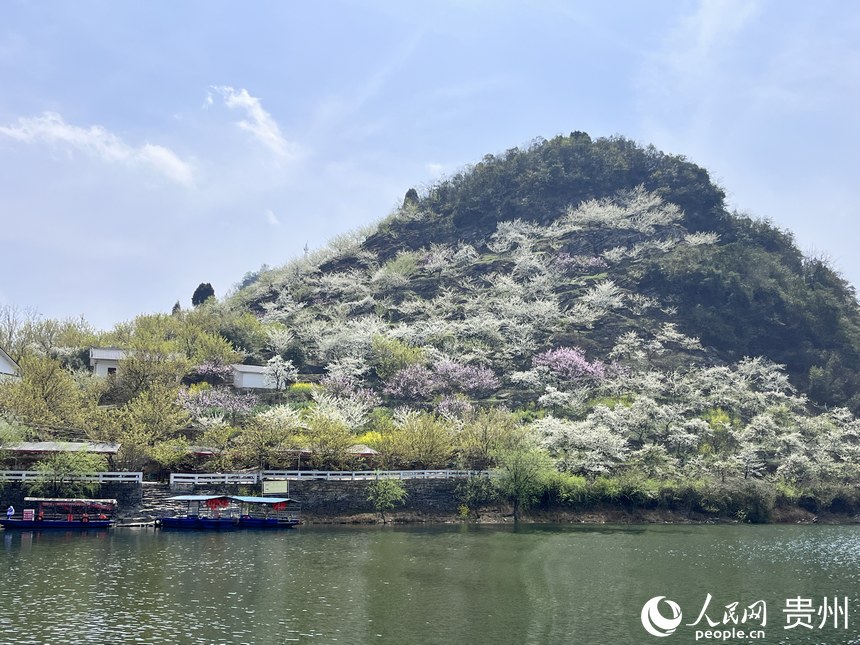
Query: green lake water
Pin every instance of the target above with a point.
(415, 585)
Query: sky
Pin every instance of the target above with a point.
(148, 147)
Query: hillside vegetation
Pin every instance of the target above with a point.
(584, 316)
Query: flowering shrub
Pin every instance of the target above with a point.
(412, 383)
(217, 400)
(465, 378)
(213, 371)
(454, 407)
(569, 363)
(566, 262)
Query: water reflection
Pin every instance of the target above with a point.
(457, 584)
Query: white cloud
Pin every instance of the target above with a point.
(52, 129)
(259, 123)
(272, 218)
(695, 48)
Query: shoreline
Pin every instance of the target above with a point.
(596, 517)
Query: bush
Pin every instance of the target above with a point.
(566, 489)
(385, 494)
(476, 492)
(745, 499)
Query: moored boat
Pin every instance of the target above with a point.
(268, 512)
(202, 512)
(63, 513)
(233, 512)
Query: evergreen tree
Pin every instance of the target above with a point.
(202, 293)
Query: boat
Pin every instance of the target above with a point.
(267, 512)
(232, 512)
(202, 512)
(63, 513)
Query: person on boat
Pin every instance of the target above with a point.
(10, 512)
(40, 517)
(85, 518)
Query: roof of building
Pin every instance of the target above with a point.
(362, 450)
(106, 354)
(248, 369)
(101, 447)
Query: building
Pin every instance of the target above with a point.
(251, 377)
(105, 360)
(8, 367)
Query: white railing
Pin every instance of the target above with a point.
(214, 478)
(102, 478)
(329, 475)
(364, 475)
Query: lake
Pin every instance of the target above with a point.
(440, 584)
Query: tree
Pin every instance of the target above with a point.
(327, 439)
(483, 434)
(147, 365)
(152, 418)
(202, 293)
(385, 494)
(411, 197)
(280, 372)
(58, 474)
(47, 394)
(521, 472)
(267, 440)
(423, 440)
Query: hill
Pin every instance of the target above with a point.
(583, 316)
(578, 242)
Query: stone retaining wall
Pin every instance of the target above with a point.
(318, 497)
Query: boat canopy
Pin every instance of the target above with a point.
(235, 498)
(261, 500)
(76, 501)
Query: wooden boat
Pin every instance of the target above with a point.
(233, 512)
(267, 512)
(203, 512)
(63, 513)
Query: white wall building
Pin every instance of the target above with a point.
(251, 377)
(105, 360)
(8, 367)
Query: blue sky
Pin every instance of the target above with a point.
(148, 147)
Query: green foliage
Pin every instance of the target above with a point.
(57, 475)
(390, 355)
(420, 440)
(752, 297)
(149, 364)
(476, 492)
(404, 264)
(521, 474)
(202, 293)
(485, 433)
(144, 424)
(385, 494)
(47, 394)
(327, 438)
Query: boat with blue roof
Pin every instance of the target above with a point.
(232, 512)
